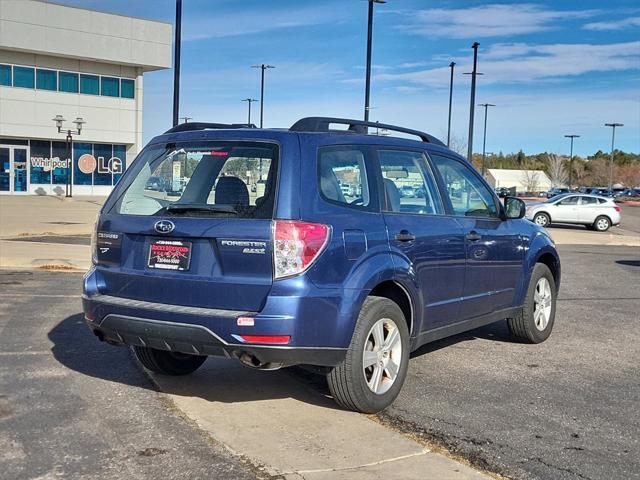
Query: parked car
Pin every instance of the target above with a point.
(155, 183)
(596, 212)
(556, 191)
(303, 275)
(503, 192)
(408, 191)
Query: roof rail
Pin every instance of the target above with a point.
(321, 124)
(187, 127)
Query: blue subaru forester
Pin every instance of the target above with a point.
(316, 245)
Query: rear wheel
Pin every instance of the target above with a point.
(602, 224)
(535, 323)
(372, 374)
(168, 363)
(542, 219)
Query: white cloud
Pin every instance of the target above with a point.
(495, 20)
(525, 63)
(629, 22)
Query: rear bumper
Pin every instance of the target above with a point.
(199, 340)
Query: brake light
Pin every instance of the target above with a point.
(296, 245)
(618, 209)
(266, 338)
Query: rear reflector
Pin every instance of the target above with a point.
(266, 338)
(296, 245)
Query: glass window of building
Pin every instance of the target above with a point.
(68, 82)
(59, 155)
(23, 77)
(119, 152)
(127, 88)
(40, 152)
(46, 79)
(103, 154)
(5, 75)
(84, 164)
(110, 87)
(90, 84)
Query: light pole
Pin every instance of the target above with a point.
(176, 62)
(367, 81)
(262, 67)
(249, 101)
(572, 136)
(613, 140)
(484, 140)
(59, 119)
(451, 65)
(473, 74)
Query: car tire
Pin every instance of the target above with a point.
(541, 219)
(351, 383)
(602, 224)
(168, 363)
(535, 322)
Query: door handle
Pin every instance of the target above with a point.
(473, 236)
(405, 236)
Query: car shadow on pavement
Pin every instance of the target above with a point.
(218, 380)
(497, 331)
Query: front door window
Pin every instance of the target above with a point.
(13, 169)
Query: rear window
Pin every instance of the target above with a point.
(212, 179)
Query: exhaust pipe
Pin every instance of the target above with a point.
(250, 360)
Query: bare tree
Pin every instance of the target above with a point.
(629, 175)
(458, 145)
(530, 180)
(557, 172)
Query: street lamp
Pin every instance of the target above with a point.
(262, 67)
(572, 136)
(473, 74)
(186, 119)
(613, 140)
(451, 65)
(367, 82)
(79, 122)
(249, 101)
(484, 140)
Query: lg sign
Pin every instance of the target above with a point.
(87, 163)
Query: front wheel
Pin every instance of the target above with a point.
(168, 363)
(374, 369)
(541, 219)
(535, 323)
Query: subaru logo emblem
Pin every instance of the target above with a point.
(164, 226)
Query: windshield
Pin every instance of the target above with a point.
(213, 179)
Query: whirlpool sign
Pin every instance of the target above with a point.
(87, 163)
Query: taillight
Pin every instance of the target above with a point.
(296, 245)
(618, 209)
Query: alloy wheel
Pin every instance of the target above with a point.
(542, 299)
(382, 356)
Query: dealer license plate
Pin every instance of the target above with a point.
(169, 254)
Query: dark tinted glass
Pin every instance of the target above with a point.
(127, 88)
(119, 153)
(110, 87)
(81, 177)
(23, 77)
(40, 154)
(103, 154)
(5, 75)
(68, 82)
(90, 84)
(46, 79)
(59, 149)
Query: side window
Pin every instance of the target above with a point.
(468, 195)
(342, 176)
(588, 200)
(409, 185)
(569, 201)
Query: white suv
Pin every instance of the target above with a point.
(597, 213)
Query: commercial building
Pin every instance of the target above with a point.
(525, 181)
(77, 63)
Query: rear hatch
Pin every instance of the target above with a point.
(201, 236)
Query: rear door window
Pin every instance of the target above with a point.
(213, 179)
(409, 185)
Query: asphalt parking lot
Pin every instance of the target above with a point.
(566, 409)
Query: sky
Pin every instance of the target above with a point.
(550, 67)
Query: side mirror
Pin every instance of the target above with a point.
(514, 208)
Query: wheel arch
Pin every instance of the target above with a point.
(398, 294)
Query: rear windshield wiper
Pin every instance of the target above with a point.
(191, 207)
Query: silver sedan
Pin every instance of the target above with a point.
(597, 213)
